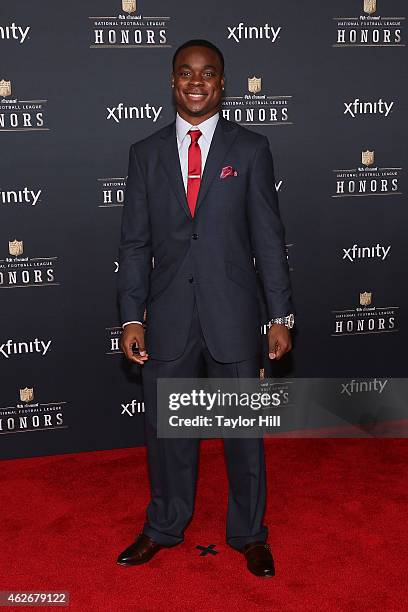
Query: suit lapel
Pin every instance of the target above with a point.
(170, 159)
(224, 135)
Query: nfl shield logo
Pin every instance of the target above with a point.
(254, 84)
(370, 6)
(16, 247)
(129, 6)
(26, 394)
(365, 298)
(367, 158)
(5, 88)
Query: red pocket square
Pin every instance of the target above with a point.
(228, 171)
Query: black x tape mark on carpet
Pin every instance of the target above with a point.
(205, 550)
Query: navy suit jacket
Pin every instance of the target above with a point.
(210, 255)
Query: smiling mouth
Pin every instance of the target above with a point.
(195, 95)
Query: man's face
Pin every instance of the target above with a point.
(198, 81)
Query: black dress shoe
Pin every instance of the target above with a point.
(259, 559)
(141, 551)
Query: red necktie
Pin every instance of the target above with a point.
(194, 170)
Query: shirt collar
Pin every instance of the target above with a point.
(206, 127)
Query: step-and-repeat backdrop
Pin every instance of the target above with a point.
(81, 81)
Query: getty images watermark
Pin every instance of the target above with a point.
(299, 407)
(214, 407)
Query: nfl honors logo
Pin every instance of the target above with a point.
(367, 158)
(365, 298)
(370, 6)
(365, 318)
(29, 415)
(27, 271)
(369, 177)
(368, 28)
(254, 84)
(16, 248)
(20, 115)
(129, 6)
(257, 107)
(26, 394)
(5, 88)
(125, 29)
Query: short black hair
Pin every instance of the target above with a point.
(199, 42)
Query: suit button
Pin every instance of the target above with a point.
(191, 280)
(194, 236)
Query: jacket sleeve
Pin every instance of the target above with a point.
(135, 251)
(267, 234)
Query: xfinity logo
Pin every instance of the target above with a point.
(355, 386)
(21, 196)
(356, 252)
(19, 348)
(119, 112)
(241, 31)
(357, 107)
(132, 408)
(14, 32)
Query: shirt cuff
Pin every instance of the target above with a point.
(129, 322)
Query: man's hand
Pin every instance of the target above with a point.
(134, 333)
(279, 340)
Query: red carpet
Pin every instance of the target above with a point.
(337, 516)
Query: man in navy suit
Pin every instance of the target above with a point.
(201, 201)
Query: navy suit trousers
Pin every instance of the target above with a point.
(173, 462)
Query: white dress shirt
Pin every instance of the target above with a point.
(207, 129)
